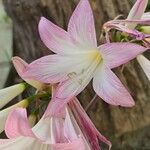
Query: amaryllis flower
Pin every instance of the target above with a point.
(136, 16)
(78, 59)
(61, 132)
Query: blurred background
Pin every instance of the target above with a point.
(127, 128)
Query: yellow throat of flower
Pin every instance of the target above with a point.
(95, 55)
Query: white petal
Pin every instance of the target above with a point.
(22, 143)
(145, 64)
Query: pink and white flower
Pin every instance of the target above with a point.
(78, 59)
(61, 132)
(136, 16)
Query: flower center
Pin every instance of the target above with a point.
(95, 56)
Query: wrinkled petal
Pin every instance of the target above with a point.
(107, 85)
(88, 128)
(9, 93)
(136, 12)
(57, 39)
(134, 33)
(5, 112)
(17, 124)
(138, 21)
(116, 54)
(20, 66)
(81, 25)
(145, 64)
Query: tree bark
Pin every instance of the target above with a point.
(125, 127)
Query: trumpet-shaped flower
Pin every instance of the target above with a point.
(7, 94)
(78, 59)
(61, 132)
(136, 16)
(5, 112)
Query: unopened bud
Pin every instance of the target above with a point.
(145, 29)
(7, 94)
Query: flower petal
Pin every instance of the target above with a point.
(107, 85)
(69, 88)
(145, 64)
(74, 145)
(81, 25)
(57, 39)
(5, 112)
(17, 124)
(7, 94)
(55, 68)
(22, 143)
(116, 54)
(137, 12)
(20, 66)
(146, 16)
(69, 128)
(88, 128)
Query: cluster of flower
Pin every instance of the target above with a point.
(63, 75)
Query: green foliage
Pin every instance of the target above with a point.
(148, 7)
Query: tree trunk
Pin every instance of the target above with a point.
(125, 127)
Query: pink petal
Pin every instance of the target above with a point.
(116, 54)
(56, 39)
(134, 33)
(137, 21)
(74, 145)
(88, 128)
(20, 66)
(69, 127)
(81, 25)
(66, 91)
(145, 64)
(48, 69)
(17, 124)
(137, 11)
(107, 85)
